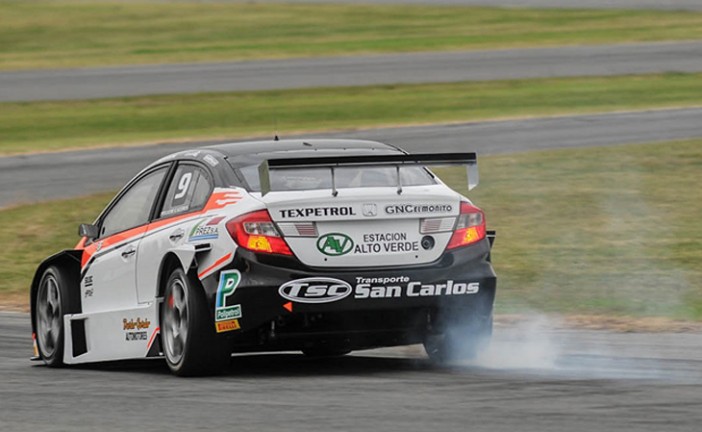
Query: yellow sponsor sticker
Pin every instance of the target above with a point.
(225, 326)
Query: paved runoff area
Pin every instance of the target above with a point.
(533, 378)
(41, 177)
(437, 67)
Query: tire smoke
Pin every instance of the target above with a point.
(544, 346)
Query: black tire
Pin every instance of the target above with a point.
(190, 344)
(54, 299)
(460, 341)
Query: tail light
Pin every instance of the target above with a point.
(256, 232)
(470, 227)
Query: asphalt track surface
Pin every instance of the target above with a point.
(532, 379)
(49, 176)
(602, 60)
(692, 5)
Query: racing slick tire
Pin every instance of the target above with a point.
(54, 300)
(460, 341)
(190, 344)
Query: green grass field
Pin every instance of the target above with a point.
(611, 230)
(47, 126)
(55, 34)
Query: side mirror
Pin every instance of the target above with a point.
(87, 230)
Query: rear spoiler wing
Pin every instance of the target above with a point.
(394, 160)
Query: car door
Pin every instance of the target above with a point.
(185, 196)
(110, 279)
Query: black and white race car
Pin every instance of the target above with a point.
(320, 246)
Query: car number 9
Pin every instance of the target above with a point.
(183, 185)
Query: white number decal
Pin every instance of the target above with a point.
(183, 185)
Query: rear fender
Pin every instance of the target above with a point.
(185, 256)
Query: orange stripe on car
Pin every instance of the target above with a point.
(97, 246)
(220, 200)
(217, 201)
(217, 263)
(153, 336)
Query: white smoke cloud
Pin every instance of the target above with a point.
(545, 346)
(527, 344)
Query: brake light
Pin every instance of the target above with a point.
(470, 227)
(256, 232)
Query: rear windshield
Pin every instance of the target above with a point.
(346, 177)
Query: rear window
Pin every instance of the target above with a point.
(346, 177)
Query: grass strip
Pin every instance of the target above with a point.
(55, 34)
(612, 230)
(49, 126)
(31, 233)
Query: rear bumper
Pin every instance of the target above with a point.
(381, 306)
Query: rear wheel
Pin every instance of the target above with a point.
(53, 301)
(459, 341)
(189, 341)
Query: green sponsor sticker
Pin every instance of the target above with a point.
(228, 313)
(334, 244)
(228, 281)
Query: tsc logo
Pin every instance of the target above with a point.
(335, 244)
(315, 290)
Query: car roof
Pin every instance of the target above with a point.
(241, 154)
(256, 151)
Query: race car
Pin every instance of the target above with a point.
(320, 246)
